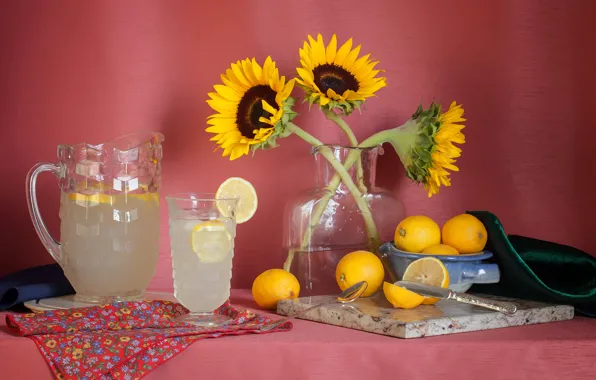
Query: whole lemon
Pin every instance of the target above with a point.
(274, 285)
(360, 266)
(440, 249)
(415, 233)
(466, 233)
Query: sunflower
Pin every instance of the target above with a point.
(434, 152)
(252, 105)
(337, 78)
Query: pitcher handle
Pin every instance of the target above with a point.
(51, 244)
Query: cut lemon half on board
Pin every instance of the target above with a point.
(428, 271)
(211, 241)
(246, 194)
(400, 297)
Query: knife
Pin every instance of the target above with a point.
(448, 294)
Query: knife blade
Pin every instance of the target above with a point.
(448, 294)
(425, 290)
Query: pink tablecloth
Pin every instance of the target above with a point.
(316, 351)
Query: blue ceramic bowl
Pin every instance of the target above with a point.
(464, 270)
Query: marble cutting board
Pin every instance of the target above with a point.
(376, 315)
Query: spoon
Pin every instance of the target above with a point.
(347, 296)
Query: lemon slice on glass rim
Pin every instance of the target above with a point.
(428, 271)
(211, 241)
(236, 187)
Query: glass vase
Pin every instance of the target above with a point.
(325, 223)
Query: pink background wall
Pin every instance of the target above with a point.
(74, 71)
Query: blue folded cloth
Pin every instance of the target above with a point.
(32, 284)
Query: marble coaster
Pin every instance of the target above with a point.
(376, 315)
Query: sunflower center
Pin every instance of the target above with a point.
(334, 77)
(251, 109)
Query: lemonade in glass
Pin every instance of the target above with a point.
(202, 232)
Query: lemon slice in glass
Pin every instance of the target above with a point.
(211, 241)
(246, 194)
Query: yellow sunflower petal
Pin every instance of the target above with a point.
(432, 189)
(434, 176)
(274, 81)
(306, 75)
(267, 70)
(318, 50)
(331, 49)
(351, 57)
(263, 134)
(454, 114)
(366, 72)
(229, 79)
(342, 53)
(358, 66)
(226, 152)
(217, 137)
(221, 106)
(445, 181)
(333, 95)
(227, 92)
(324, 100)
(305, 62)
(267, 107)
(237, 152)
(231, 141)
(248, 72)
(237, 70)
(351, 95)
(218, 98)
(220, 128)
(285, 92)
(305, 51)
(257, 71)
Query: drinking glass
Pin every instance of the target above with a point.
(202, 232)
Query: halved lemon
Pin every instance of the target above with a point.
(440, 249)
(400, 297)
(211, 241)
(246, 194)
(429, 271)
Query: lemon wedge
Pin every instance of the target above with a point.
(400, 297)
(246, 194)
(211, 241)
(429, 271)
(101, 198)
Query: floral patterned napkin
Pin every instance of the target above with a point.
(123, 340)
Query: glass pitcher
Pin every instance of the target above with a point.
(109, 215)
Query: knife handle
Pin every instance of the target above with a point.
(503, 307)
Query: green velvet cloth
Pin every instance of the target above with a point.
(539, 270)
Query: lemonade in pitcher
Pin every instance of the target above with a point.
(109, 242)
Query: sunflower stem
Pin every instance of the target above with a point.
(341, 123)
(374, 240)
(401, 138)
